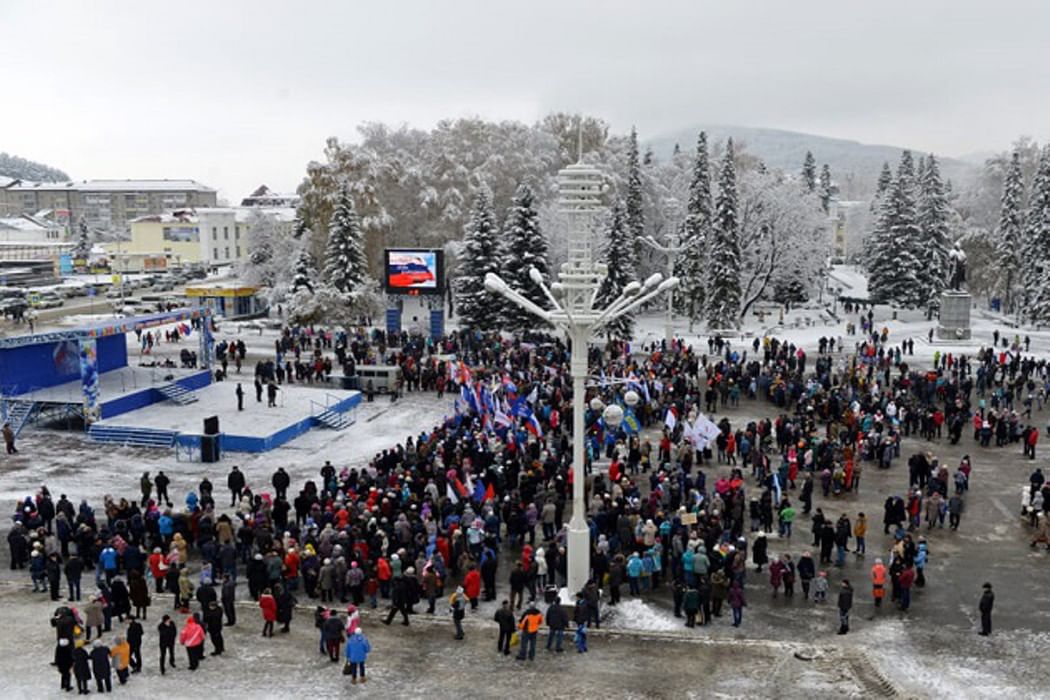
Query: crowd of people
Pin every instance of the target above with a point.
(481, 498)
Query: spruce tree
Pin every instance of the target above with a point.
(524, 246)
(634, 211)
(934, 215)
(345, 266)
(882, 186)
(809, 172)
(1009, 233)
(826, 191)
(723, 288)
(618, 257)
(1036, 274)
(478, 308)
(305, 272)
(82, 251)
(895, 273)
(697, 232)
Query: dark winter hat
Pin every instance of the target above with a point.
(987, 585)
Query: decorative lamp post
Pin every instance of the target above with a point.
(571, 309)
(674, 246)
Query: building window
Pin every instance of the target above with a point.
(237, 232)
(238, 252)
(214, 233)
(227, 253)
(225, 233)
(215, 253)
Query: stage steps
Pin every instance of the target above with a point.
(132, 437)
(335, 420)
(19, 413)
(178, 394)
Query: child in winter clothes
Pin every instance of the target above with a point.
(820, 588)
(581, 639)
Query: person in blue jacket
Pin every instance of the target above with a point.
(357, 650)
(634, 572)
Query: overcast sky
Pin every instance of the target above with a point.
(235, 94)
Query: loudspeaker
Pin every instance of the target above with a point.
(211, 425)
(210, 448)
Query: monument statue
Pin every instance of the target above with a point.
(958, 258)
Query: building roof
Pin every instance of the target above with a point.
(25, 222)
(244, 215)
(114, 186)
(105, 327)
(177, 216)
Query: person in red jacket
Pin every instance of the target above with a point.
(291, 569)
(906, 579)
(268, 605)
(192, 637)
(1033, 438)
(472, 586)
(158, 567)
(384, 574)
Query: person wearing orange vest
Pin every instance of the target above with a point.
(529, 624)
(878, 582)
(192, 637)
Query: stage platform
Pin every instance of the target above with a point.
(124, 389)
(257, 428)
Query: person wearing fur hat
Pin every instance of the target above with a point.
(457, 606)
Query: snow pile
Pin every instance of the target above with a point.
(639, 615)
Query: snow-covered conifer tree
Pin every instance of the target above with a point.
(895, 273)
(635, 197)
(345, 265)
(524, 246)
(305, 276)
(723, 253)
(1009, 233)
(618, 256)
(82, 251)
(697, 231)
(809, 172)
(1036, 271)
(934, 215)
(478, 308)
(826, 190)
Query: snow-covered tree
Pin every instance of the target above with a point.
(635, 211)
(895, 272)
(524, 247)
(1010, 231)
(934, 215)
(723, 253)
(270, 254)
(345, 266)
(478, 308)
(826, 188)
(697, 230)
(618, 256)
(783, 239)
(82, 251)
(304, 278)
(1036, 270)
(809, 172)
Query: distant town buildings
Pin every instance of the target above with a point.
(263, 196)
(844, 223)
(105, 205)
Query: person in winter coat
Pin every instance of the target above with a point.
(719, 591)
(878, 582)
(357, 650)
(82, 670)
(286, 603)
(845, 605)
(457, 606)
(73, 568)
(758, 552)
(64, 662)
(167, 632)
(400, 601)
(905, 581)
(691, 605)
(616, 574)
(138, 593)
(505, 618)
(192, 637)
(134, 637)
(985, 608)
(557, 623)
(100, 668)
(268, 605)
(121, 655)
(332, 629)
(213, 623)
(472, 586)
(807, 571)
(93, 617)
(737, 603)
(228, 596)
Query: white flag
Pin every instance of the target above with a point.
(670, 421)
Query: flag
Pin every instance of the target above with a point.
(501, 418)
(490, 493)
(450, 493)
(630, 422)
(534, 394)
(705, 428)
(532, 424)
(469, 399)
(671, 420)
(460, 488)
(479, 491)
(509, 386)
(464, 373)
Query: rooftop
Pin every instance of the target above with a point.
(112, 186)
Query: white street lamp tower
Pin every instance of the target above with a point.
(672, 250)
(572, 310)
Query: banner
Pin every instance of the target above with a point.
(89, 379)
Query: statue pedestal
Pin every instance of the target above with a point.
(955, 316)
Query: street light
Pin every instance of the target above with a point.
(671, 250)
(572, 309)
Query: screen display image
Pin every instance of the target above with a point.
(413, 271)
